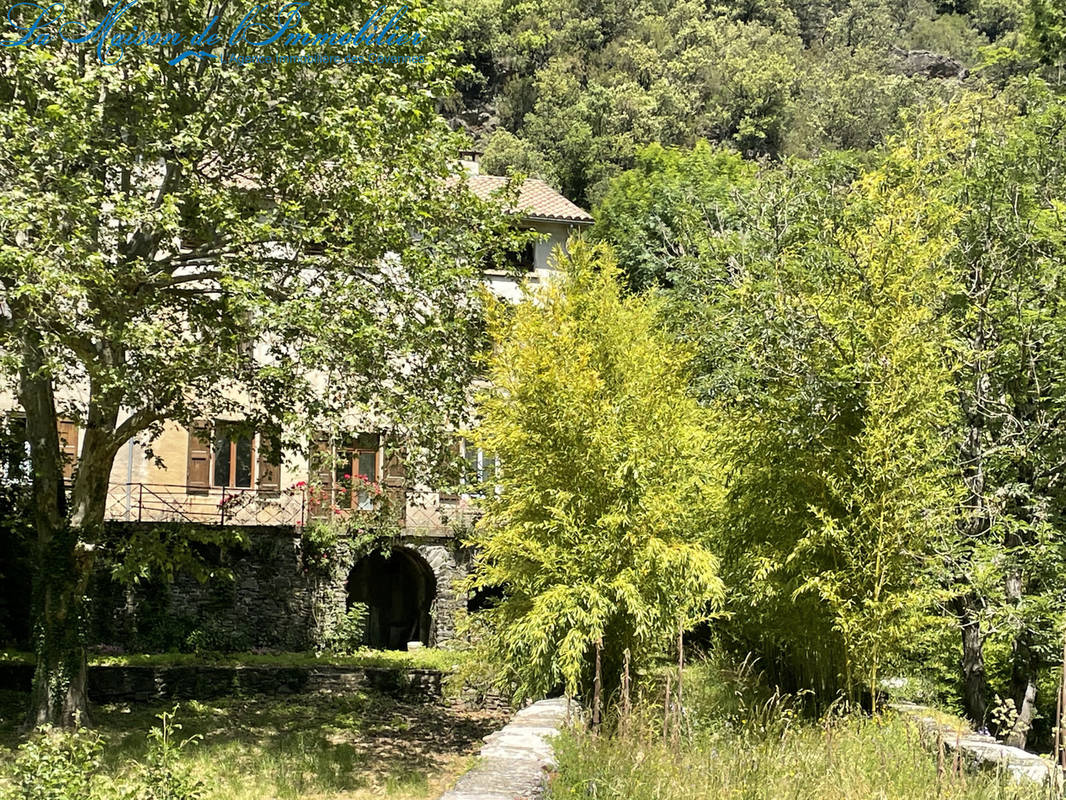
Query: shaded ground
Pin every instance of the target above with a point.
(354, 745)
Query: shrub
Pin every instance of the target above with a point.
(163, 775)
(318, 544)
(215, 637)
(56, 765)
(347, 636)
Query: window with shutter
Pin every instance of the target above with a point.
(320, 475)
(269, 466)
(394, 477)
(68, 446)
(198, 474)
(233, 456)
(357, 463)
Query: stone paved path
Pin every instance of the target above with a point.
(980, 751)
(514, 760)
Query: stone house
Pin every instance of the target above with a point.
(218, 475)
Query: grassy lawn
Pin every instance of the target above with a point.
(425, 658)
(311, 746)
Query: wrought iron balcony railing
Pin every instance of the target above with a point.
(420, 513)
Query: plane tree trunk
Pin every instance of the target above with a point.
(59, 681)
(66, 533)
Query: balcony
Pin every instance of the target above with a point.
(422, 513)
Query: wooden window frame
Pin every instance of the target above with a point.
(199, 458)
(348, 457)
(328, 462)
(260, 466)
(267, 470)
(253, 461)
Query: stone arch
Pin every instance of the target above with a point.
(399, 589)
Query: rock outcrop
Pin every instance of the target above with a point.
(930, 65)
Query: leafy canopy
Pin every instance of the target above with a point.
(156, 222)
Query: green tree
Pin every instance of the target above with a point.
(825, 362)
(810, 297)
(885, 349)
(1049, 31)
(158, 220)
(599, 528)
(575, 91)
(656, 214)
(1007, 555)
(893, 497)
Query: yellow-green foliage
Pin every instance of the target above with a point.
(425, 658)
(893, 498)
(599, 526)
(831, 389)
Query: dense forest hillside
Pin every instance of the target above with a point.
(570, 91)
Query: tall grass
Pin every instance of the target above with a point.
(730, 743)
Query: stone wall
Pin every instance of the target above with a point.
(449, 567)
(204, 682)
(273, 600)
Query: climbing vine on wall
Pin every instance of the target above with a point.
(355, 512)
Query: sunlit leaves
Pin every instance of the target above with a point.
(600, 526)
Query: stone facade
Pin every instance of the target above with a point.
(273, 601)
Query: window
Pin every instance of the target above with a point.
(224, 455)
(480, 467)
(524, 259)
(473, 467)
(357, 464)
(343, 471)
(232, 453)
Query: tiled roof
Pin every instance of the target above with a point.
(535, 199)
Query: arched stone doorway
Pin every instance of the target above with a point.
(399, 591)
